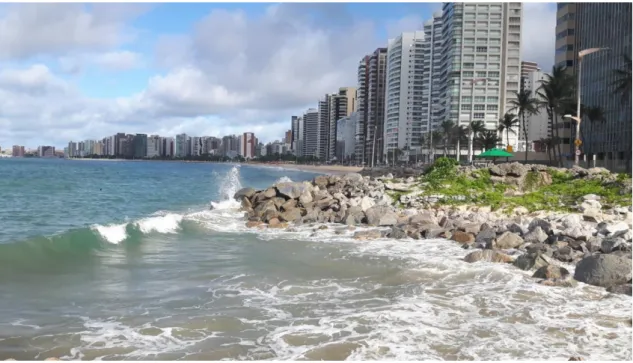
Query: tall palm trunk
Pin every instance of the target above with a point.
(525, 135)
(457, 150)
(550, 114)
(558, 139)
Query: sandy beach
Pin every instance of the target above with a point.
(326, 169)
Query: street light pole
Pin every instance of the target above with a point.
(578, 117)
(470, 124)
(373, 149)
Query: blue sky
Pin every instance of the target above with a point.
(72, 71)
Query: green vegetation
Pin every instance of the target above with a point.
(535, 193)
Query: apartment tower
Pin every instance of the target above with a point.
(340, 104)
(311, 133)
(433, 50)
(481, 69)
(566, 53)
(371, 108)
(526, 69)
(404, 93)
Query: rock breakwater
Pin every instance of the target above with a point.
(588, 240)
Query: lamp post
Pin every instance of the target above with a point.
(470, 124)
(578, 117)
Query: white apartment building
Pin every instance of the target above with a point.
(433, 49)
(403, 92)
(346, 137)
(247, 145)
(153, 146)
(537, 125)
(482, 69)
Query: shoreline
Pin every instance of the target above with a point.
(337, 169)
(589, 243)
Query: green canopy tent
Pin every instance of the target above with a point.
(494, 154)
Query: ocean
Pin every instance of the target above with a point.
(125, 260)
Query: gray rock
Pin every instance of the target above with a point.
(293, 190)
(543, 224)
(564, 254)
(486, 236)
(551, 272)
(381, 216)
(592, 215)
(424, 217)
(367, 235)
(594, 244)
(620, 289)
(530, 261)
(397, 233)
(269, 193)
(488, 256)
(244, 193)
(571, 221)
(613, 228)
(508, 240)
(611, 244)
(354, 216)
(516, 229)
(291, 215)
(432, 233)
(263, 207)
(535, 235)
(603, 270)
(590, 204)
(321, 181)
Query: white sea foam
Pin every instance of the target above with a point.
(112, 233)
(437, 306)
(283, 179)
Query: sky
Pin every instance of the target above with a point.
(85, 71)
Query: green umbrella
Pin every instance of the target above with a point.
(495, 153)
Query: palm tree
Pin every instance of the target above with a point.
(446, 128)
(623, 82)
(557, 91)
(436, 136)
(459, 134)
(489, 139)
(507, 124)
(594, 114)
(525, 105)
(476, 127)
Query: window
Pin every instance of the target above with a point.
(494, 49)
(495, 24)
(478, 115)
(492, 99)
(515, 28)
(467, 74)
(467, 99)
(494, 58)
(480, 99)
(480, 66)
(481, 58)
(495, 41)
(495, 33)
(482, 40)
(465, 107)
(495, 7)
(492, 108)
(469, 33)
(495, 16)
(469, 40)
(480, 107)
(468, 65)
(481, 74)
(481, 49)
(494, 66)
(469, 49)
(493, 74)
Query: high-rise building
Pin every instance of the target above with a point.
(346, 137)
(181, 146)
(294, 122)
(46, 151)
(196, 146)
(311, 133)
(371, 102)
(288, 137)
(140, 146)
(403, 95)
(604, 25)
(340, 105)
(538, 126)
(323, 128)
(566, 52)
(433, 49)
(153, 146)
(526, 69)
(248, 144)
(18, 151)
(481, 69)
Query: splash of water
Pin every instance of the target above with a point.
(230, 184)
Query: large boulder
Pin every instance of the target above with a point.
(536, 235)
(244, 193)
(367, 235)
(291, 215)
(508, 240)
(620, 289)
(354, 216)
(293, 190)
(488, 256)
(381, 216)
(603, 270)
(551, 272)
(463, 237)
(533, 260)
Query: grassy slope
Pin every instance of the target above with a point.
(561, 195)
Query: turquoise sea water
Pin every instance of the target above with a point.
(124, 260)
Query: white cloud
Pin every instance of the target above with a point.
(49, 29)
(539, 34)
(231, 74)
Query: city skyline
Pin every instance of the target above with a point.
(82, 91)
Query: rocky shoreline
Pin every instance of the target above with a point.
(596, 239)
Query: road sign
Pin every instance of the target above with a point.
(509, 148)
(577, 142)
(578, 152)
